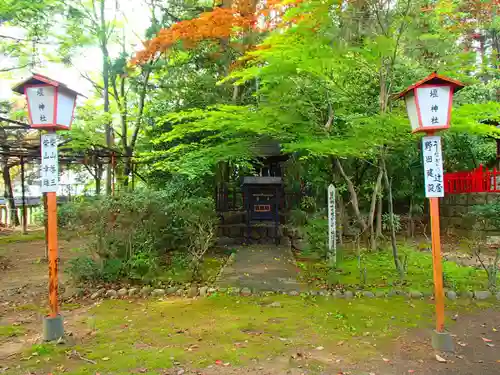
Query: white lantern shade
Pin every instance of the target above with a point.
(50, 107)
(429, 107)
(429, 103)
(51, 104)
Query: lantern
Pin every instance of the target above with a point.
(51, 104)
(429, 102)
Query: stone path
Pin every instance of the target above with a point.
(262, 268)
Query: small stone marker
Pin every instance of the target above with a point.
(246, 292)
(482, 295)
(158, 293)
(111, 293)
(451, 295)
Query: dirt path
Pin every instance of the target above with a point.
(25, 273)
(24, 291)
(262, 268)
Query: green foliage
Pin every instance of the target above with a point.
(308, 204)
(67, 215)
(131, 232)
(84, 268)
(486, 216)
(11, 331)
(316, 235)
(142, 266)
(297, 218)
(386, 224)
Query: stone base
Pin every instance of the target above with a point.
(442, 341)
(53, 328)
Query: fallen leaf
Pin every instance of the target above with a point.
(486, 340)
(461, 343)
(340, 343)
(320, 348)
(440, 359)
(105, 358)
(494, 329)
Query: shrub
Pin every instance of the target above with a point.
(142, 266)
(308, 204)
(67, 214)
(316, 231)
(39, 217)
(83, 268)
(386, 222)
(486, 216)
(132, 231)
(298, 218)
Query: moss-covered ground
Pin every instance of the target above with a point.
(16, 237)
(122, 336)
(376, 271)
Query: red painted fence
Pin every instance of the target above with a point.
(480, 180)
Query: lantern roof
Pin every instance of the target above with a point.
(433, 78)
(39, 79)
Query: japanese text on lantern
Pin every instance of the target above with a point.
(49, 169)
(433, 166)
(41, 104)
(434, 103)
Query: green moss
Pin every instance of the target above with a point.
(378, 272)
(11, 331)
(32, 307)
(20, 237)
(196, 333)
(182, 274)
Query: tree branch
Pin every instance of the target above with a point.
(14, 68)
(352, 192)
(141, 109)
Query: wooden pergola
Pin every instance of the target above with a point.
(19, 145)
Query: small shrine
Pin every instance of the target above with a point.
(253, 207)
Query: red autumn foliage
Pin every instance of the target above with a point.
(218, 25)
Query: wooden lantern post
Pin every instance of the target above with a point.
(51, 107)
(429, 104)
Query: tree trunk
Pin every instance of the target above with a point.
(378, 232)
(391, 219)
(353, 194)
(9, 197)
(411, 222)
(97, 178)
(371, 216)
(105, 78)
(341, 214)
